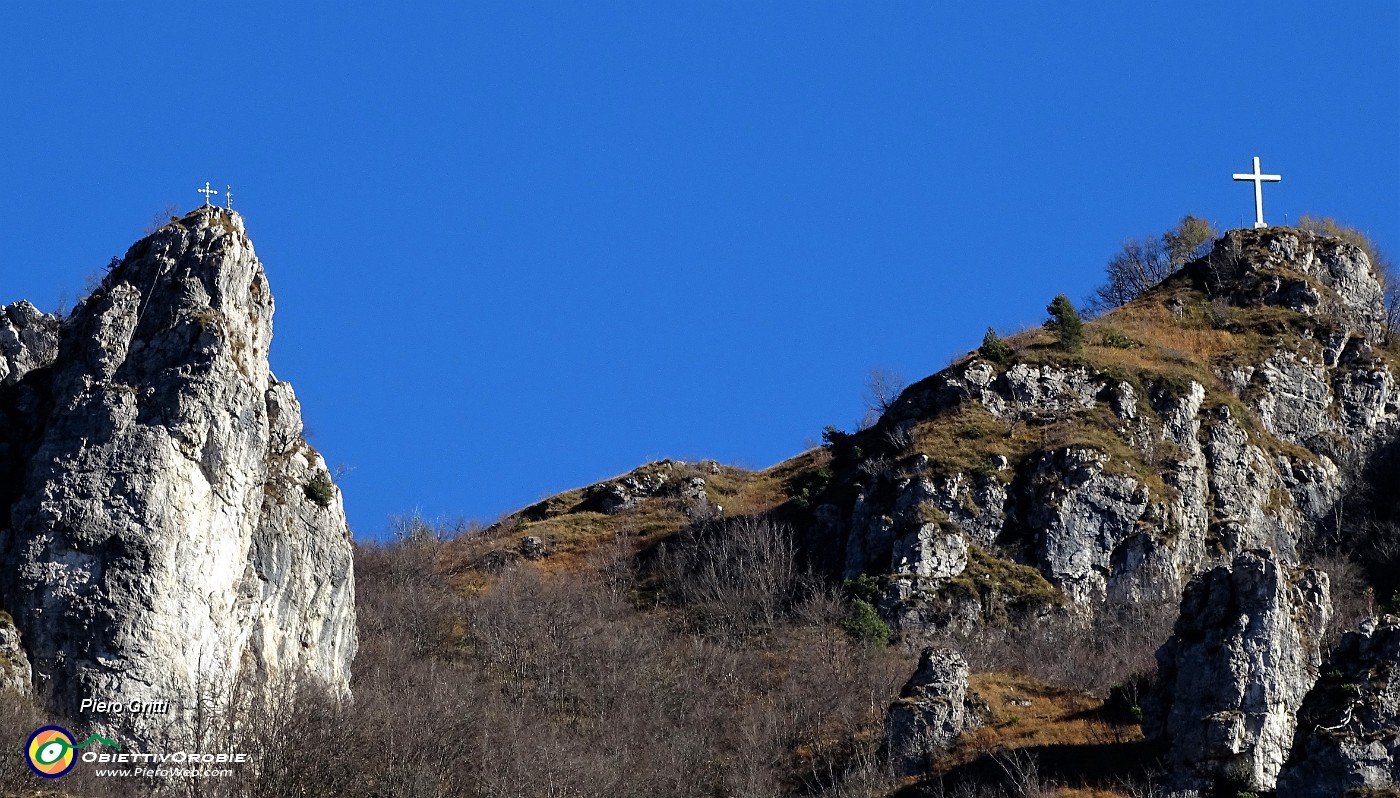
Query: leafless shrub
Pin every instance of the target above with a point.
(1022, 773)
(882, 388)
(899, 436)
(1352, 599)
(875, 466)
(1222, 266)
(1142, 264)
(1217, 313)
(162, 217)
(1113, 647)
(18, 719)
(736, 577)
(402, 596)
(615, 564)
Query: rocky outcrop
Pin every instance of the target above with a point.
(172, 533)
(1120, 477)
(664, 478)
(1348, 735)
(1081, 513)
(931, 712)
(1244, 653)
(1125, 522)
(14, 662)
(28, 340)
(1316, 275)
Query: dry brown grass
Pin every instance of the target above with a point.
(765, 491)
(575, 535)
(1056, 716)
(1044, 740)
(1159, 329)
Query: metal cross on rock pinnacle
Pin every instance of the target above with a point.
(228, 198)
(1259, 180)
(207, 192)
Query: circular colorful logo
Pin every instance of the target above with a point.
(50, 751)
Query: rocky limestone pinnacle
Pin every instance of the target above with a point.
(1245, 651)
(172, 533)
(931, 711)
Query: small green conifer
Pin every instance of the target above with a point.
(994, 349)
(1065, 323)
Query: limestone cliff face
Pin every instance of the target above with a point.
(1245, 651)
(1119, 472)
(170, 531)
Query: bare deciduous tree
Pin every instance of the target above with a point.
(1142, 264)
(882, 388)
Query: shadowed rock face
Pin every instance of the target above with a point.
(1244, 653)
(162, 542)
(1349, 725)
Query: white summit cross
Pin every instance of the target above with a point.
(1259, 181)
(207, 192)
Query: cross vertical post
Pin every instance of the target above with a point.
(228, 197)
(207, 192)
(1259, 180)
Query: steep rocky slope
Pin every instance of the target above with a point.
(1219, 413)
(165, 531)
(1218, 428)
(1212, 416)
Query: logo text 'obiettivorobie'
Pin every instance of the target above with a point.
(51, 750)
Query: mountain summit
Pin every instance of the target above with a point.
(1170, 478)
(165, 531)
(1214, 415)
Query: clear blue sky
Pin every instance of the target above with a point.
(519, 247)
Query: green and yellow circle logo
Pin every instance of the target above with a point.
(50, 751)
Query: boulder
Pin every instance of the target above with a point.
(533, 547)
(931, 712)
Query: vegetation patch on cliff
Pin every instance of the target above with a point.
(997, 582)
